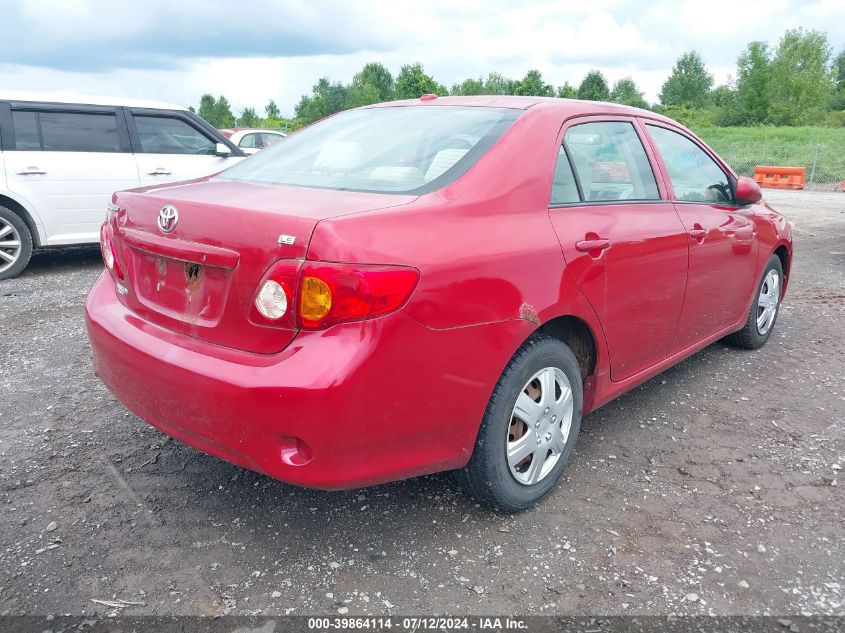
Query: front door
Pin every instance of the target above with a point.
(172, 150)
(625, 247)
(722, 240)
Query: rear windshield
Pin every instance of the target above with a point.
(406, 149)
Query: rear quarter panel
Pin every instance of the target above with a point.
(484, 245)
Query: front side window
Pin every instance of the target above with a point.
(695, 176)
(249, 141)
(169, 135)
(65, 131)
(610, 162)
(404, 149)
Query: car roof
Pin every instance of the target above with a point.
(77, 99)
(568, 107)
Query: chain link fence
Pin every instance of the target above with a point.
(825, 163)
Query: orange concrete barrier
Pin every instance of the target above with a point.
(780, 177)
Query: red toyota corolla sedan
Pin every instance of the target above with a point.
(419, 286)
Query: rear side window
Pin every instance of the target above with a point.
(610, 162)
(66, 131)
(564, 189)
(25, 125)
(269, 139)
(695, 176)
(169, 135)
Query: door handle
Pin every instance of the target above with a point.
(159, 171)
(586, 246)
(30, 171)
(698, 233)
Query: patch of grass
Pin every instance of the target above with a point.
(771, 135)
(745, 147)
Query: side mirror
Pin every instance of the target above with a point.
(222, 150)
(747, 191)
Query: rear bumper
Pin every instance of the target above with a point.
(335, 409)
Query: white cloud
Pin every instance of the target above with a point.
(175, 51)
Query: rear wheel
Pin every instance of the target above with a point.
(764, 309)
(529, 428)
(15, 244)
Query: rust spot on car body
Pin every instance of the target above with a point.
(529, 313)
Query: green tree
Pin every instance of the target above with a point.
(533, 85)
(753, 70)
(468, 87)
(361, 93)
(839, 78)
(377, 76)
(249, 118)
(412, 82)
(689, 84)
(625, 91)
(567, 91)
(271, 110)
(497, 84)
(206, 109)
(326, 98)
(594, 87)
(801, 79)
(222, 114)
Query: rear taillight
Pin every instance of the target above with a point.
(316, 295)
(108, 251)
(335, 293)
(274, 298)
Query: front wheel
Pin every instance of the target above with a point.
(529, 429)
(764, 309)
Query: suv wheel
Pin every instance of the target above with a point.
(15, 244)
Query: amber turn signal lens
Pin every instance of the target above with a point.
(315, 299)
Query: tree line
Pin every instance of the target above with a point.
(798, 82)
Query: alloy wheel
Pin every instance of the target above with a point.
(10, 245)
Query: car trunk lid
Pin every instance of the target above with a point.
(200, 278)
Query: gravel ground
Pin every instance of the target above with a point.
(710, 489)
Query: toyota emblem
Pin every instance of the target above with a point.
(167, 218)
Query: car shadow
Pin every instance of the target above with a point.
(62, 260)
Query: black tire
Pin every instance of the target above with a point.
(750, 337)
(25, 252)
(488, 477)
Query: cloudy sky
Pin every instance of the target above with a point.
(255, 50)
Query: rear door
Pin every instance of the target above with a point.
(623, 243)
(66, 161)
(170, 146)
(722, 237)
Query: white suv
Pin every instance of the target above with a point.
(61, 159)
